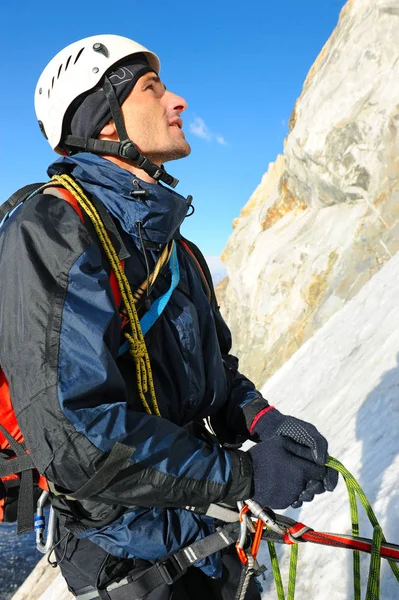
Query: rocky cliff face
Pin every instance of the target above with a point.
(325, 216)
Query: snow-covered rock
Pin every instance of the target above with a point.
(345, 380)
(325, 216)
(44, 583)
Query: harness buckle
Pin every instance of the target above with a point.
(170, 570)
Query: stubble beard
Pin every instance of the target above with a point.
(174, 150)
(167, 150)
(179, 152)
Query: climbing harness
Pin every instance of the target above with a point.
(258, 523)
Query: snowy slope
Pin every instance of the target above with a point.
(345, 380)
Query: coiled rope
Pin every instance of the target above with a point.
(373, 583)
(137, 346)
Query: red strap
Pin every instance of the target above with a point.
(388, 551)
(187, 247)
(295, 533)
(115, 287)
(70, 198)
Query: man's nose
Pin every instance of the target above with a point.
(174, 103)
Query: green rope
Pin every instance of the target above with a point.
(335, 464)
(373, 583)
(276, 571)
(292, 572)
(353, 485)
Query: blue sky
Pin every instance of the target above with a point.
(240, 66)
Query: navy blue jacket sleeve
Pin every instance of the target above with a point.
(60, 336)
(232, 423)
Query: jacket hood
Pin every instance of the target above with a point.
(161, 211)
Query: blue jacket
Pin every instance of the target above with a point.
(75, 398)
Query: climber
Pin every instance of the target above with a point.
(82, 381)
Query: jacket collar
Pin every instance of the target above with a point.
(161, 211)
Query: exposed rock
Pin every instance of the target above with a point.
(325, 216)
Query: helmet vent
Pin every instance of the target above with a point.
(52, 83)
(59, 71)
(78, 56)
(67, 63)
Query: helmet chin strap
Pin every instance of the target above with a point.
(125, 148)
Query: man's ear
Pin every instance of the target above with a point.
(108, 131)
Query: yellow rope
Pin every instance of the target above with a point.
(165, 257)
(137, 346)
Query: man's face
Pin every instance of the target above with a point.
(152, 119)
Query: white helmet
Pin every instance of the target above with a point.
(75, 70)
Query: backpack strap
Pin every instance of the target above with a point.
(199, 260)
(23, 464)
(20, 196)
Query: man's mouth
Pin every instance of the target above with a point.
(176, 123)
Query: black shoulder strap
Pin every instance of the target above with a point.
(224, 342)
(204, 266)
(19, 196)
(22, 464)
(32, 188)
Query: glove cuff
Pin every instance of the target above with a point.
(258, 416)
(252, 407)
(266, 423)
(242, 477)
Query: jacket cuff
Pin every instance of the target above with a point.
(241, 477)
(254, 407)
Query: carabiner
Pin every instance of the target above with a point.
(265, 516)
(40, 525)
(243, 518)
(242, 553)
